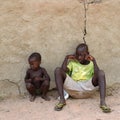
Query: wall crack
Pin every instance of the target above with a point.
(86, 5)
(85, 20)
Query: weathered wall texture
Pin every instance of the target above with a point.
(54, 28)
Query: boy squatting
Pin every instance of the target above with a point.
(37, 79)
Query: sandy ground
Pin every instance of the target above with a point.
(20, 108)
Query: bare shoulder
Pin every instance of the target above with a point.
(43, 69)
(28, 70)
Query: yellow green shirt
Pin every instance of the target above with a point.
(79, 72)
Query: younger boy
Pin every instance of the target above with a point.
(37, 80)
(79, 75)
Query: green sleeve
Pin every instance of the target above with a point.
(69, 66)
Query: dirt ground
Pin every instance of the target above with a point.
(20, 108)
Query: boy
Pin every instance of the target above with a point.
(37, 80)
(78, 75)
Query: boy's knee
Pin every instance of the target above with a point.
(46, 83)
(101, 73)
(29, 85)
(57, 70)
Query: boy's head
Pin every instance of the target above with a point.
(82, 52)
(34, 60)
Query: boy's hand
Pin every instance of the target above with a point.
(38, 78)
(89, 57)
(70, 57)
(28, 80)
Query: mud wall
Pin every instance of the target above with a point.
(54, 28)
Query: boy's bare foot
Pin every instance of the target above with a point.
(45, 97)
(32, 98)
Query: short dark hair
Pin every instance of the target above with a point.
(35, 55)
(82, 45)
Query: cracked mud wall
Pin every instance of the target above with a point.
(103, 25)
(54, 28)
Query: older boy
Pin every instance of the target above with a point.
(79, 75)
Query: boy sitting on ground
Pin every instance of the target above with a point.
(79, 75)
